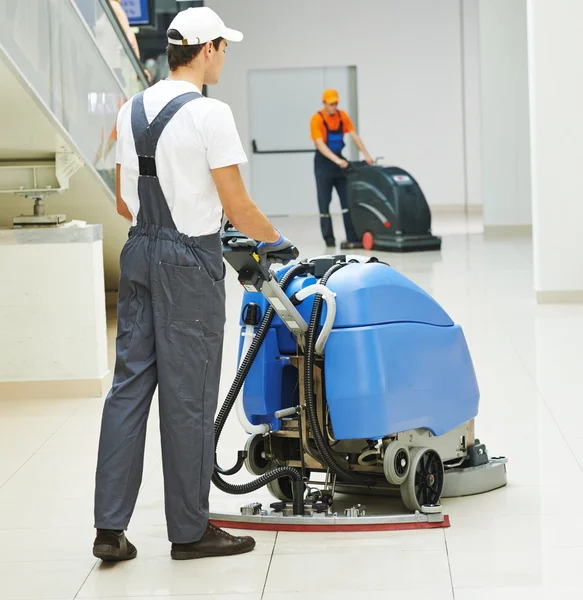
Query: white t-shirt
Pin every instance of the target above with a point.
(201, 136)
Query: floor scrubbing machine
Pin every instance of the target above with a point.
(389, 210)
(354, 375)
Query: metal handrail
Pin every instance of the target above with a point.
(299, 151)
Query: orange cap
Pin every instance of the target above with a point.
(330, 96)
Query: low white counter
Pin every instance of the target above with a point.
(53, 332)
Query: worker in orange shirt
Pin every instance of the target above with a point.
(328, 128)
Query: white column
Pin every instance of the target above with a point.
(470, 14)
(505, 147)
(53, 332)
(556, 126)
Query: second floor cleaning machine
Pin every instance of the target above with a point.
(354, 375)
(389, 210)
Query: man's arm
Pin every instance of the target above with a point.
(323, 148)
(359, 144)
(241, 211)
(120, 13)
(122, 207)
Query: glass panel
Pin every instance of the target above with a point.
(56, 52)
(113, 44)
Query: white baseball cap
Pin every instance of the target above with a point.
(201, 25)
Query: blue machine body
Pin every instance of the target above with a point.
(394, 360)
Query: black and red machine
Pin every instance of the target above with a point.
(389, 210)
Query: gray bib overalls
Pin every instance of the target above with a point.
(171, 315)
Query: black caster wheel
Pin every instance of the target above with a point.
(256, 462)
(424, 485)
(396, 463)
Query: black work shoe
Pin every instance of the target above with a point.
(113, 546)
(351, 245)
(214, 542)
(330, 242)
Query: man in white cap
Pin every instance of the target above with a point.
(178, 157)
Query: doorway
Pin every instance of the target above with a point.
(281, 105)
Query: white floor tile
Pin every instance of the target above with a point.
(49, 491)
(562, 592)
(53, 490)
(435, 594)
(81, 434)
(92, 406)
(156, 576)
(358, 543)
(534, 566)
(36, 512)
(370, 569)
(513, 500)
(21, 437)
(42, 545)
(27, 580)
(514, 532)
(78, 433)
(195, 597)
(64, 407)
(10, 465)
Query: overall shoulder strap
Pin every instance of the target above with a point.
(154, 209)
(139, 124)
(146, 135)
(324, 120)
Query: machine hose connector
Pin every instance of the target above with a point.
(248, 358)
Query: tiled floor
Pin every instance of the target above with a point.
(525, 541)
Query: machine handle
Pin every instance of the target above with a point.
(239, 242)
(355, 164)
(242, 242)
(285, 412)
(282, 256)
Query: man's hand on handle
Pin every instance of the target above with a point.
(343, 164)
(265, 248)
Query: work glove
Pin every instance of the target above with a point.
(265, 248)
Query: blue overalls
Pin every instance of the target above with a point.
(171, 316)
(328, 176)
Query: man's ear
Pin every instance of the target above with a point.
(209, 47)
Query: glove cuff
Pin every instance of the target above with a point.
(280, 240)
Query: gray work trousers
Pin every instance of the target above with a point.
(171, 315)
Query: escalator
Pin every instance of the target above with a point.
(65, 70)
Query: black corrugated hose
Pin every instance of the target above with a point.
(294, 474)
(321, 441)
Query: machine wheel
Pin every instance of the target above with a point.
(256, 462)
(396, 463)
(282, 489)
(367, 240)
(426, 478)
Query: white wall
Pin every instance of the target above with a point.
(556, 95)
(471, 88)
(409, 63)
(504, 113)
